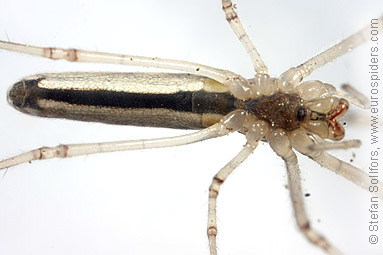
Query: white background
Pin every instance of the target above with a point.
(155, 201)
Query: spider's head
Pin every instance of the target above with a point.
(322, 117)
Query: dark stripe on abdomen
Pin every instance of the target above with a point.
(195, 101)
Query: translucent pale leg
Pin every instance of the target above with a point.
(302, 143)
(239, 30)
(230, 123)
(335, 146)
(218, 180)
(346, 170)
(239, 86)
(296, 74)
(355, 96)
(256, 130)
(76, 55)
(280, 143)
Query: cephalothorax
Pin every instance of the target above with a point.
(286, 112)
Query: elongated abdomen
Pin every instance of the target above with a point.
(141, 99)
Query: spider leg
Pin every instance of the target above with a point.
(293, 76)
(302, 143)
(280, 143)
(218, 180)
(324, 145)
(355, 96)
(229, 123)
(238, 29)
(237, 84)
(256, 130)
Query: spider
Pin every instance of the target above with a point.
(245, 132)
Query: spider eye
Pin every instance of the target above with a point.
(301, 113)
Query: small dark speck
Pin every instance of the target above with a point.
(307, 194)
(344, 123)
(351, 160)
(197, 69)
